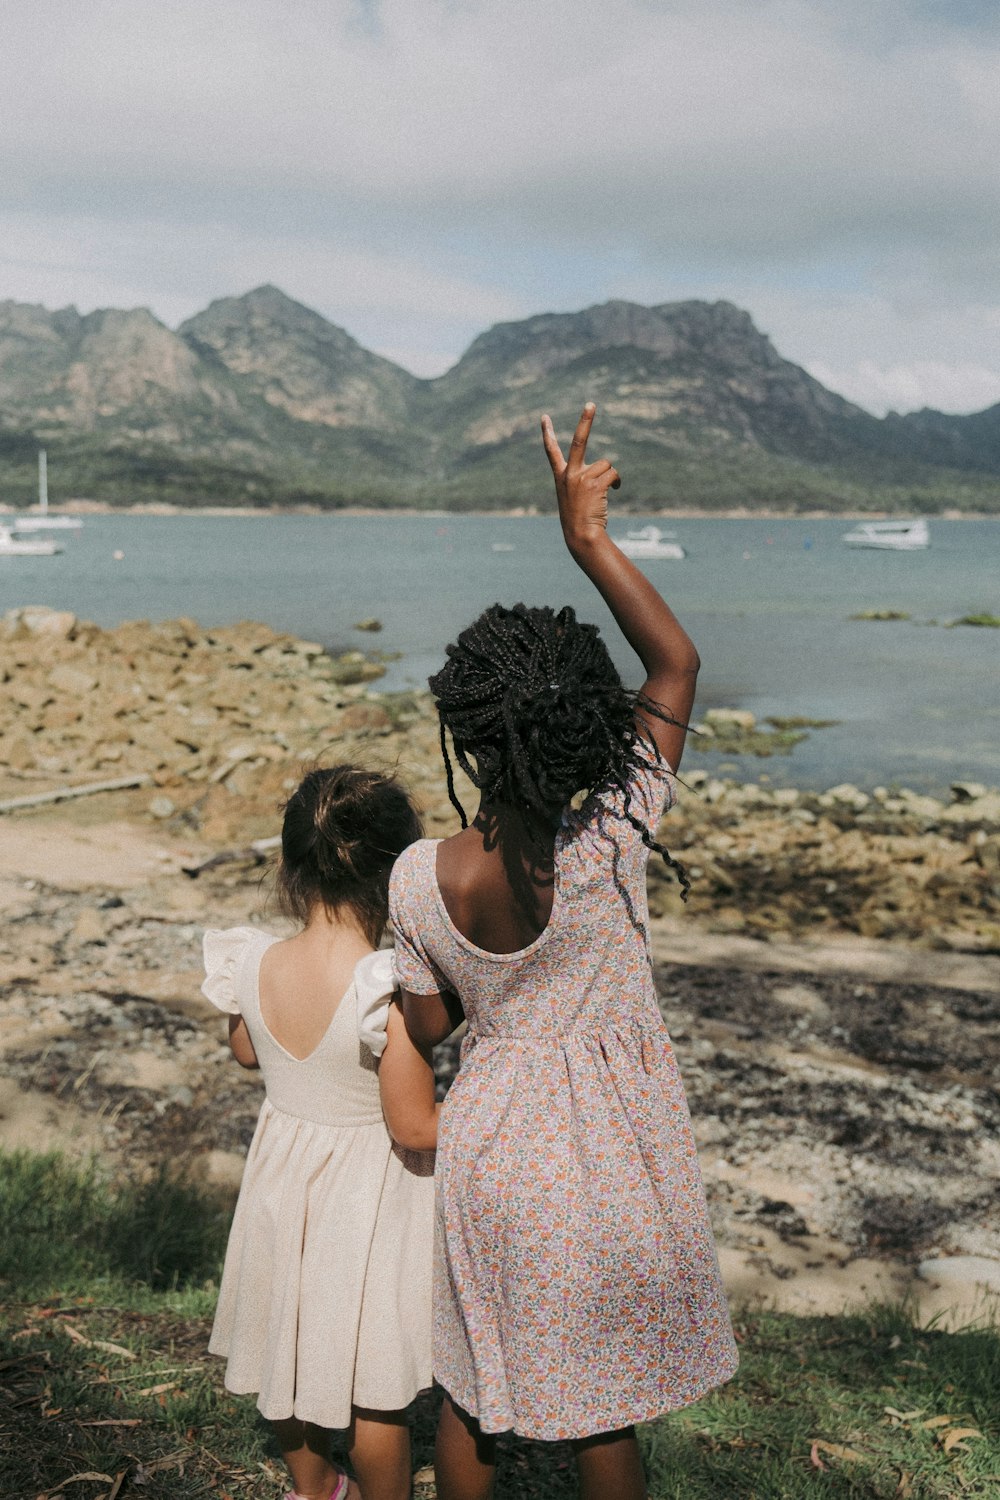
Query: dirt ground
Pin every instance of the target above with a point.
(844, 1092)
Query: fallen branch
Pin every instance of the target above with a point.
(63, 793)
(256, 852)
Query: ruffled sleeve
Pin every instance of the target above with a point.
(224, 950)
(374, 984)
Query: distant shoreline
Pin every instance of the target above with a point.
(84, 508)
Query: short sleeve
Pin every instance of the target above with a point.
(651, 786)
(647, 795)
(224, 950)
(410, 911)
(374, 984)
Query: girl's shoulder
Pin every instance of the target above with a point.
(411, 868)
(227, 952)
(619, 812)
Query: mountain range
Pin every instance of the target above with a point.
(260, 400)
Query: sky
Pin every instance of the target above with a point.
(417, 170)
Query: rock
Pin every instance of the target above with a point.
(365, 718)
(967, 791)
(67, 679)
(89, 927)
(845, 795)
(730, 720)
(962, 1271)
(988, 854)
(371, 623)
(162, 807)
(19, 753)
(801, 999)
(38, 619)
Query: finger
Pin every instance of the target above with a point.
(611, 480)
(599, 466)
(578, 447)
(616, 483)
(553, 452)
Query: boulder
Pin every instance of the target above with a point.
(67, 679)
(38, 619)
(730, 721)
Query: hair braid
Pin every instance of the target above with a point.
(537, 713)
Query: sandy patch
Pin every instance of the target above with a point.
(32, 1121)
(110, 856)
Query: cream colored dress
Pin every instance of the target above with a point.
(325, 1299)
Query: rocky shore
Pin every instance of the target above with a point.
(831, 986)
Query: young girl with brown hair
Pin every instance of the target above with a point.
(324, 1308)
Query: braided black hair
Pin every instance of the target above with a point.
(538, 713)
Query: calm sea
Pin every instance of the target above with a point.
(766, 601)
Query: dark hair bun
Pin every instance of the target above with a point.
(343, 829)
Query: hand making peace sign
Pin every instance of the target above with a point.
(582, 488)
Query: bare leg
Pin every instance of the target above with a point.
(379, 1445)
(609, 1465)
(464, 1458)
(306, 1452)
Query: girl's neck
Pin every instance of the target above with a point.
(498, 822)
(334, 928)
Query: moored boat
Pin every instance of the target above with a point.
(43, 519)
(26, 546)
(649, 542)
(892, 536)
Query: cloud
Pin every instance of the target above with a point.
(417, 171)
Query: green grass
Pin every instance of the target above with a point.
(880, 614)
(66, 1222)
(103, 1371)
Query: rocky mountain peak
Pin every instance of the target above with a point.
(298, 360)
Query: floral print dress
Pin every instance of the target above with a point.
(576, 1284)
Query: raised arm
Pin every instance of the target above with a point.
(648, 624)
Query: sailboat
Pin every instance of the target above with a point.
(42, 520)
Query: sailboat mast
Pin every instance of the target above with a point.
(43, 482)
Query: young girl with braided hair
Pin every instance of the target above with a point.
(324, 1308)
(576, 1284)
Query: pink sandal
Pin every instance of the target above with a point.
(338, 1493)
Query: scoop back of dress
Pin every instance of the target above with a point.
(325, 1295)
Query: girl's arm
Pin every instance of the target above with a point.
(406, 1084)
(240, 1043)
(431, 1018)
(647, 623)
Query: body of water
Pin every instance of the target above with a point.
(767, 603)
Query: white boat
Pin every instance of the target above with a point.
(42, 520)
(26, 546)
(650, 541)
(893, 536)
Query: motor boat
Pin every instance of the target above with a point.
(650, 542)
(892, 536)
(42, 519)
(26, 546)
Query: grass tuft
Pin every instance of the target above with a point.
(62, 1221)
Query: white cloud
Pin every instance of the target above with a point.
(907, 387)
(418, 171)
